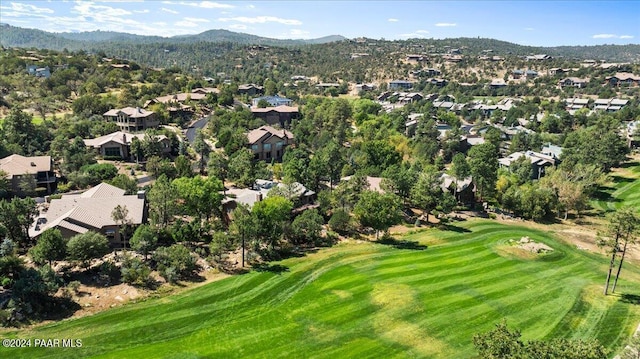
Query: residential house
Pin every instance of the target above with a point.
(558, 71)
(531, 74)
(180, 97)
(373, 183)
(301, 196)
(415, 59)
(609, 104)
(268, 143)
(17, 167)
(632, 133)
(118, 144)
(538, 57)
(132, 119)
(327, 85)
(438, 82)
(576, 103)
(400, 84)
(274, 101)
(91, 210)
(539, 162)
(404, 97)
(431, 72)
(250, 89)
(205, 90)
(552, 151)
(280, 115)
(517, 74)
(573, 82)
(497, 83)
(463, 190)
(623, 79)
(365, 87)
(36, 71)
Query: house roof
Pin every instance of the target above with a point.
(120, 137)
(92, 209)
(372, 182)
(205, 90)
(281, 109)
(181, 97)
(18, 165)
(535, 158)
(623, 76)
(133, 112)
(448, 180)
(265, 132)
(249, 86)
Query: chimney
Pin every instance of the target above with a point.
(141, 194)
(124, 138)
(258, 197)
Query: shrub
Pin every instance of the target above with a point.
(86, 246)
(135, 271)
(340, 221)
(175, 262)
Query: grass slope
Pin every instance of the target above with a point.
(391, 300)
(624, 190)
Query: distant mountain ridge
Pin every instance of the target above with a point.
(24, 37)
(13, 36)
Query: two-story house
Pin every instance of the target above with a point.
(268, 143)
(132, 119)
(17, 167)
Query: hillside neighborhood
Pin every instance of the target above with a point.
(375, 194)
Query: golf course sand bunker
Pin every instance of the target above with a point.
(532, 246)
(523, 248)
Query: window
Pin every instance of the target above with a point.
(279, 144)
(254, 148)
(112, 151)
(266, 147)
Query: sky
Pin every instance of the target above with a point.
(537, 23)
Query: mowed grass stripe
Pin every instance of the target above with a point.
(369, 300)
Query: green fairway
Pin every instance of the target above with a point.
(624, 190)
(425, 297)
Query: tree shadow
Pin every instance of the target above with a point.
(629, 164)
(620, 179)
(59, 308)
(630, 299)
(272, 268)
(402, 244)
(452, 228)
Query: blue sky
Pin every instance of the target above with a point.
(541, 23)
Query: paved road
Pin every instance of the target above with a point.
(191, 131)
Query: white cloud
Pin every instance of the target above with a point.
(195, 19)
(529, 28)
(27, 9)
(626, 36)
(392, 20)
(145, 11)
(415, 34)
(446, 24)
(169, 10)
(238, 27)
(261, 20)
(605, 36)
(251, 6)
(184, 23)
(90, 9)
(201, 4)
(299, 33)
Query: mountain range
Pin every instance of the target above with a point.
(13, 36)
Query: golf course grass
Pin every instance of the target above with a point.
(624, 190)
(424, 295)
